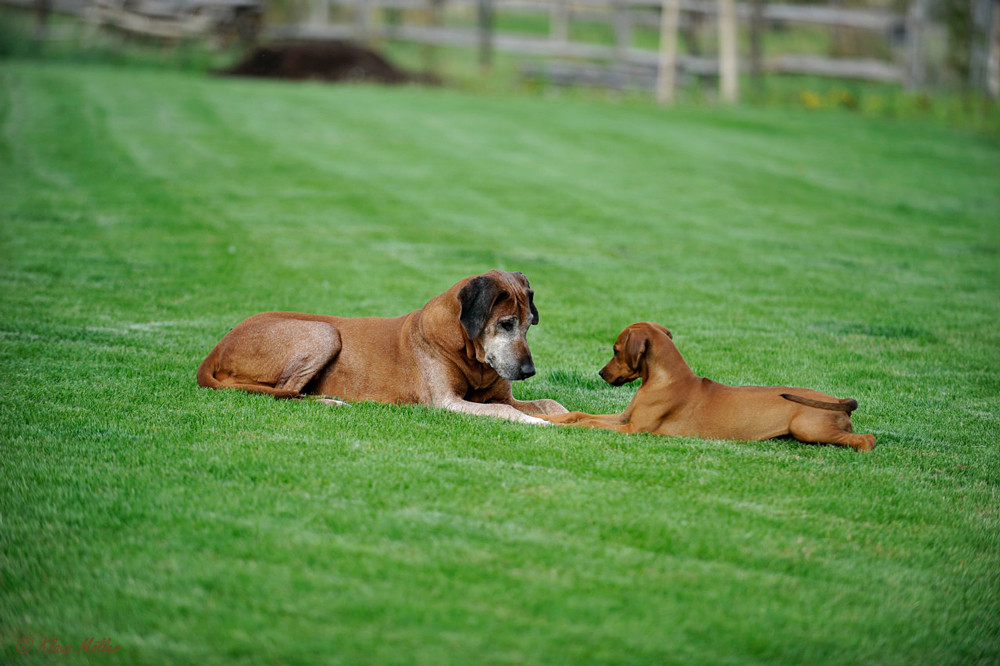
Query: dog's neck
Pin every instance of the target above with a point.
(438, 322)
(664, 365)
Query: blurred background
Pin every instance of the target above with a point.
(883, 57)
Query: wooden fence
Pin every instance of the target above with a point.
(620, 63)
(559, 58)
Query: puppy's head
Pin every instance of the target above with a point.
(630, 353)
(497, 309)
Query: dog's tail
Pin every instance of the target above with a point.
(206, 372)
(846, 405)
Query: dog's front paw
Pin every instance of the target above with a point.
(333, 402)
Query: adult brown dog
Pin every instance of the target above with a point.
(672, 400)
(461, 351)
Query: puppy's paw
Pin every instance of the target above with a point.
(863, 443)
(564, 418)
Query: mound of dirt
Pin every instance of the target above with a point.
(327, 61)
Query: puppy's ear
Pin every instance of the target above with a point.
(635, 347)
(478, 297)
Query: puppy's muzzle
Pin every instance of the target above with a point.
(607, 376)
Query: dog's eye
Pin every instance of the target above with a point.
(507, 325)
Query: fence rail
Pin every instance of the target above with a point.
(628, 65)
(601, 9)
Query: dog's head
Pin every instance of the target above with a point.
(497, 309)
(630, 353)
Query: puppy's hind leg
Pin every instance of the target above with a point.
(818, 428)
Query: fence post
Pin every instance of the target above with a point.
(666, 74)
(728, 64)
(485, 20)
(623, 31)
(983, 63)
(981, 43)
(756, 44)
(993, 65)
(915, 74)
(319, 12)
(559, 21)
(362, 19)
(43, 9)
(434, 21)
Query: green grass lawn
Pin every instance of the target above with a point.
(143, 213)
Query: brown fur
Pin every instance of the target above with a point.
(441, 355)
(672, 400)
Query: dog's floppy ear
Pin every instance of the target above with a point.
(478, 297)
(531, 298)
(634, 347)
(531, 306)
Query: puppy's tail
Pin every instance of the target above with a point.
(847, 405)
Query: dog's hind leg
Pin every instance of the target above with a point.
(315, 345)
(277, 356)
(818, 428)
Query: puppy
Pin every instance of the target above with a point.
(672, 400)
